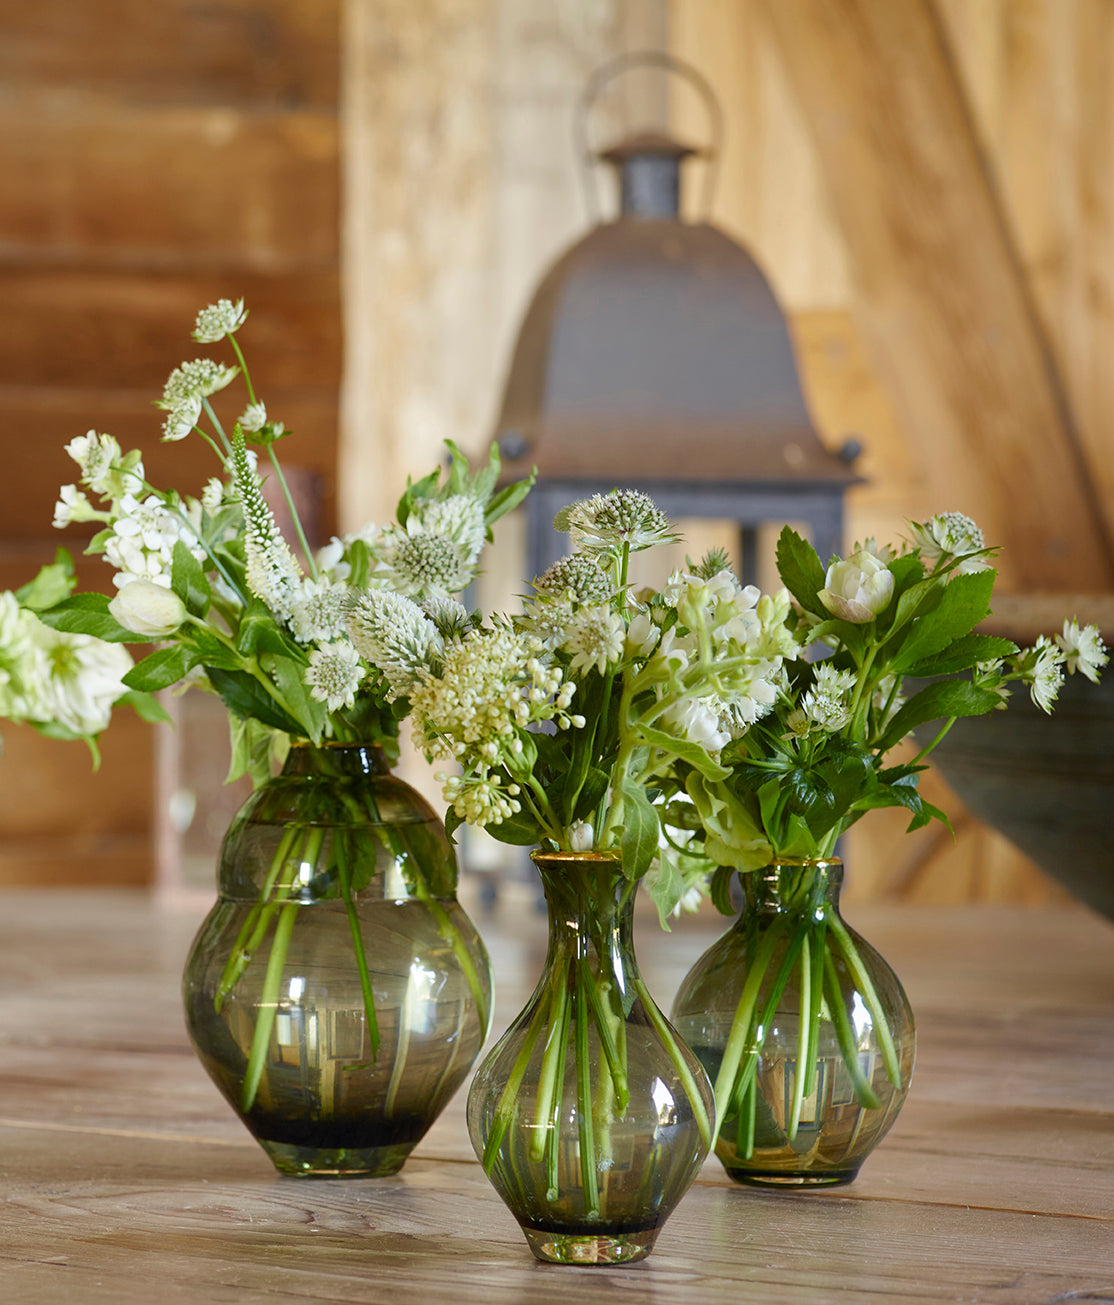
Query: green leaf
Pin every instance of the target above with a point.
(720, 890)
(520, 830)
(692, 753)
(666, 889)
(801, 570)
(639, 842)
(162, 668)
(287, 674)
(244, 695)
(259, 633)
(358, 556)
(145, 707)
(188, 580)
(941, 700)
(52, 585)
(964, 654)
(88, 614)
(964, 602)
(252, 750)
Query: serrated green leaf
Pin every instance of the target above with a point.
(162, 668)
(88, 614)
(801, 570)
(519, 830)
(963, 603)
(145, 706)
(941, 700)
(53, 584)
(964, 654)
(287, 675)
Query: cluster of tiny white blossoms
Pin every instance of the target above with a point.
(218, 320)
(826, 704)
(490, 687)
(393, 634)
(335, 674)
(186, 389)
(143, 535)
(608, 522)
(435, 553)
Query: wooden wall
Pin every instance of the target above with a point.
(155, 157)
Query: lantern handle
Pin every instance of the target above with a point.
(623, 63)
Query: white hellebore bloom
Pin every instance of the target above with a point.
(858, 588)
(82, 681)
(146, 608)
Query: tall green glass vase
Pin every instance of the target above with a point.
(804, 1029)
(337, 993)
(590, 1116)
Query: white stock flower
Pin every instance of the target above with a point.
(334, 674)
(218, 320)
(142, 543)
(698, 721)
(1083, 649)
(858, 588)
(147, 608)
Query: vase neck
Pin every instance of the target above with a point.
(794, 887)
(339, 760)
(591, 905)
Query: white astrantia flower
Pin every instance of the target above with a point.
(1083, 649)
(218, 320)
(334, 674)
(858, 588)
(828, 702)
(990, 676)
(254, 417)
(104, 468)
(1041, 668)
(608, 522)
(81, 679)
(181, 419)
(594, 637)
(950, 535)
(320, 611)
(195, 380)
(422, 565)
(574, 580)
(459, 516)
(391, 632)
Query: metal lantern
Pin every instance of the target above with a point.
(654, 356)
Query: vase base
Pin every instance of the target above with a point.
(596, 1248)
(336, 1162)
(788, 1178)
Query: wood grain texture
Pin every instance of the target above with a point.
(126, 1176)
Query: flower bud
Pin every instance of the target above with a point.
(146, 608)
(858, 588)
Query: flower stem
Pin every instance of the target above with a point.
(666, 1032)
(268, 1004)
(846, 1037)
(585, 1123)
(870, 999)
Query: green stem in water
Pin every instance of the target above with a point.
(819, 947)
(744, 1012)
(804, 1037)
(846, 1037)
(345, 876)
(268, 1004)
(554, 1052)
(504, 1111)
(585, 1125)
(665, 1031)
(870, 999)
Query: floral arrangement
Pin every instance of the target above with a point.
(234, 608)
(888, 650)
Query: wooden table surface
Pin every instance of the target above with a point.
(125, 1178)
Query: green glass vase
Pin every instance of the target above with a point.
(590, 1116)
(337, 993)
(804, 1029)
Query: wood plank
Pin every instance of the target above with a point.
(276, 53)
(169, 187)
(948, 316)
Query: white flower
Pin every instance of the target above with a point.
(272, 573)
(218, 320)
(393, 634)
(950, 535)
(594, 637)
(142, 543)
(827, 703)
(195, 380)
(857, 589)
(212, 496)
(182, 418)
(144, 607)
(697, 721)
(1083, 650)
(575, 579)
(642, 635)
(334, 674)
(104, 469)
(73, 505)
(254, 417)
(320, 613)
(330, 560)
(1041, 668)
(82, 678)
(18, 667)
(608, 522)
(582, 836)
